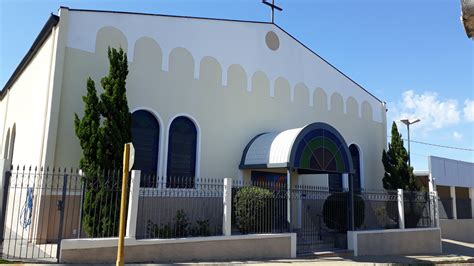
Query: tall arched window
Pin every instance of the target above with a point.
(6, 145)
(12, 143)
(356, 164)
(181, 168)
(146, 139)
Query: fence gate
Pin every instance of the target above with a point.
(35, 212)
(315, 232)
(45, 206)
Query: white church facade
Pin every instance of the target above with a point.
(209, 98)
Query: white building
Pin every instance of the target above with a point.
(454, 182)
(223, 82)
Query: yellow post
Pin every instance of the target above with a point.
(123, 204)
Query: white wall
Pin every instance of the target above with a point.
(448, 172)
(230, 105)
(25, 106)
(229, 42)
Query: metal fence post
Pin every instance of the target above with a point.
(227, 222)
(61, 205)
(133, 204)
(401, 209)
(436, 208)
(4, 198)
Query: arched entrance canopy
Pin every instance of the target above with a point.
(316, 148)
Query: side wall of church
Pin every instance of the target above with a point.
(229, 104)
(23, 110)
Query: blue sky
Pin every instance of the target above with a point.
(412, 54)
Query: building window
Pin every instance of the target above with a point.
(181, 168)
(12, 143)
(6, 145)
(146, 139)
(354, 150)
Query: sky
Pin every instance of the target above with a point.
(412, 54)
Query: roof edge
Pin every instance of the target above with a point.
(335, 68)
(166, 15)
(39, 41)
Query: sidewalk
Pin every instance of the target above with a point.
(454, 253)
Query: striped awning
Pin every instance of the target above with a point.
(316, 147)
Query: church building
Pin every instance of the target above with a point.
(210, 98)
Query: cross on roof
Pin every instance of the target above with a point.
(273, 7)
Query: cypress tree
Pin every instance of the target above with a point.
(398, 174)
(102, 133)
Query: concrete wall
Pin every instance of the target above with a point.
(229, 99)
(395, 241)
(461, 230)
(180, 250)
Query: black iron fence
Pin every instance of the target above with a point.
(419, 209)
(177, 207)
(43, 206)
(380, 210)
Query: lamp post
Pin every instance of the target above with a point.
(408, 123)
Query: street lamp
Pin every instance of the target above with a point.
(408, 122)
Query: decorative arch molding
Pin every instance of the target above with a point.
(130, 33)
(146, 50)
(315, 148)
(198, 143)
(181, 60)
(110, 36)
(161, 135)
(207, 66)
(320, 147)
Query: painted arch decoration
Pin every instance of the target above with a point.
(317, 148)
(320, 147)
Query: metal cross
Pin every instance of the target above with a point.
(273, 7)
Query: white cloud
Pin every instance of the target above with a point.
(469, 110)
(434, 113)
(457, 135)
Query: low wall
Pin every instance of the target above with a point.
(220, 248)
(461, 230)
(395, 241)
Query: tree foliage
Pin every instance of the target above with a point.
(102, 132)
(398, 174)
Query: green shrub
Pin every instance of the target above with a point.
(251, 212)
(335, 211)
(202, 228)
(179, 228)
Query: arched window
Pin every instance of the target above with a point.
(145, 139)
(6, 144)
(12, 143)
(354, 150)
(181, 168)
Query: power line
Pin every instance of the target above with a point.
(438, 145)
(442, 146)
